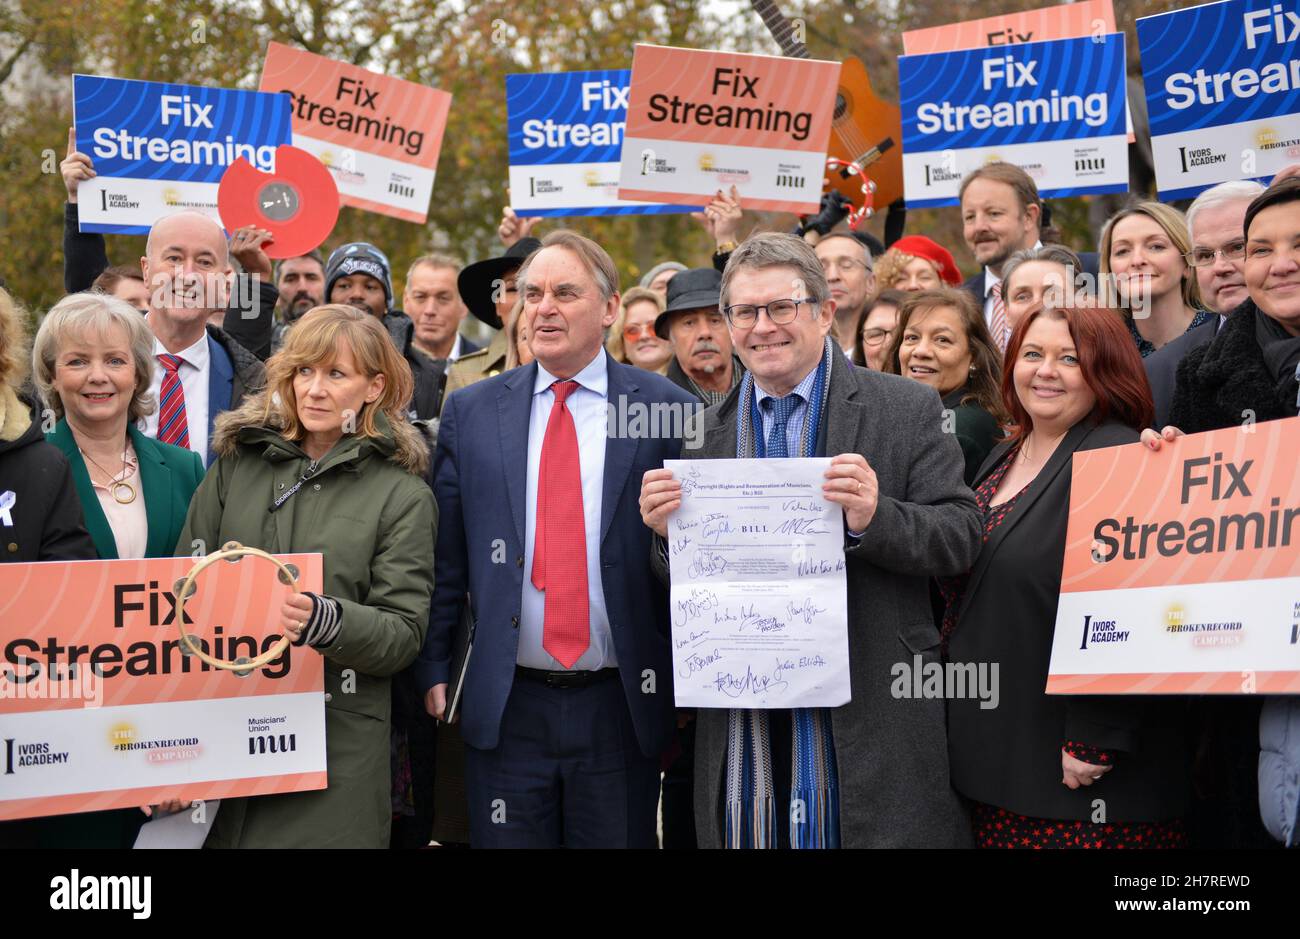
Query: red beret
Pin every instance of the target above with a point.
(922, 247)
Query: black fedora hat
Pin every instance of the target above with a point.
(696, 289)
(477, 282)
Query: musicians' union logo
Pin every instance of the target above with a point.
(707, 161)
(171, 195)
(1266, 137)
(591, 179)
(327, 157)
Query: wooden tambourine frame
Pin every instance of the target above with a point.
(231, 551)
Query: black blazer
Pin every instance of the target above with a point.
(1010, 756)
(1162, 366)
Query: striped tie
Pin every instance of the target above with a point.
(172, 426)
(998, 324)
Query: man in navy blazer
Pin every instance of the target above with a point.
(567, 701)
(187, 270)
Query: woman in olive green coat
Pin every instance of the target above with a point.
(325, 461)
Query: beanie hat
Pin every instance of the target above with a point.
(359, 258)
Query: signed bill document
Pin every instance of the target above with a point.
(759, 604)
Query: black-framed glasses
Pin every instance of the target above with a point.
(780, 312)
(1204, 257)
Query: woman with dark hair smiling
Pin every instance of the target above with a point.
(942, 341)
(1037, 766)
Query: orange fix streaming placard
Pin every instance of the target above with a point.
(699, 121)
(99, 708)
(380, 136)
(1182, 567)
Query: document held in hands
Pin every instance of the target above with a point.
(758, 600)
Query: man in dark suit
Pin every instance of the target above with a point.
(1002, 213)
(202, 370)
(1215, 220)
(907, 515)
(567, 702)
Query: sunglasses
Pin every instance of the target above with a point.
(634, 333)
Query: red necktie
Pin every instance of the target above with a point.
(172, 426)
(560, 536)
(999, 326)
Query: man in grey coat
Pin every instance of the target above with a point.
(908, 516)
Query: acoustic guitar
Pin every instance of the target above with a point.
(865, 130)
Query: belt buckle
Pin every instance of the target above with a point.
(559, 680)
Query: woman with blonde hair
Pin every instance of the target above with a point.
(632, 338)
(324, 460)
(1143, 256)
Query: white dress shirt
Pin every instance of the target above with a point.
(194, 373)
(454, 354)
(587, 404)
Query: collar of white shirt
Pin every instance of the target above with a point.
(595, 377)
(454, 354)
(195, 356)
(990, 278)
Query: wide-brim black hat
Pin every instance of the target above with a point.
(698, 288)
(478, 281)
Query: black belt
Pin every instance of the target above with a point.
(565, 679)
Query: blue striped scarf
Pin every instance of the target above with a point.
(814, 786)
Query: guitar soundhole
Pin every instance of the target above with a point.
(841, 106)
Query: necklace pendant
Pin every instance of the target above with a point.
(125, 497)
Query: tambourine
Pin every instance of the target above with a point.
(231, 552)
(867, 209)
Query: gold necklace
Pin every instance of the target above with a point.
(114, 484)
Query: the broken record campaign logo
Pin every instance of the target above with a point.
(1102, 631)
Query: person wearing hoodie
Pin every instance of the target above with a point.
(325, 461)
(359, 275)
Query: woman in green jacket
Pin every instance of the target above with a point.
(92, 362)
(942, 340)
(324, 461)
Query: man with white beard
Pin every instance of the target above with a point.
(703, 362)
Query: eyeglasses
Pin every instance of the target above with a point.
(1204, 257)
(844, 265)
(780, 312)
(634, 333)
(875, 336)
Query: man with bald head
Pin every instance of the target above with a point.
(201, 370)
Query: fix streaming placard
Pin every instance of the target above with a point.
(100, 710)
(1182, 568)
(1055, 109)
(1094, 18)
(159, 148)
(700, 121)
(379, 136)
(566, 134)
(1223, 93)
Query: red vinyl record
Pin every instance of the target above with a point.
(298, 202)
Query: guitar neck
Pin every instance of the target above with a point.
(780, 28)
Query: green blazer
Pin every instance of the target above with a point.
(169, 476)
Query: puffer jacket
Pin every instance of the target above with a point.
(1279, 768)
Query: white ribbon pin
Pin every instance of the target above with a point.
(7, 500)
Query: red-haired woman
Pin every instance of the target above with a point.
(1052, 770)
